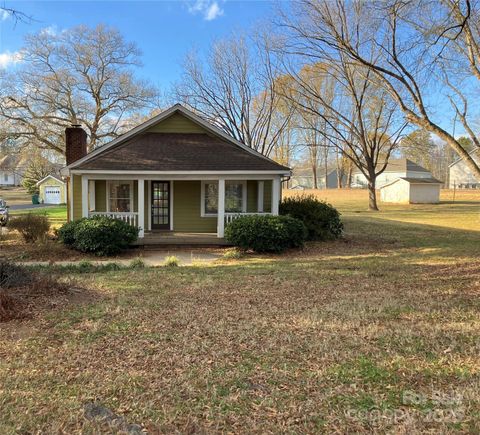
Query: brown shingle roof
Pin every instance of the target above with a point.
(178, 152)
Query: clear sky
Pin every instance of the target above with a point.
(164, 30)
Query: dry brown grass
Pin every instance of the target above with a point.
(15, 195)
(25, 293)
(14, 248)
(355, 197)
(333, 339)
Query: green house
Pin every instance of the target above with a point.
(175, 176)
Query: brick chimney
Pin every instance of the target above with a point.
(75, 143)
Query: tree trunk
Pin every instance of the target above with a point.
(349, 176)
(372, 196)
(326, 167)
(314, 172)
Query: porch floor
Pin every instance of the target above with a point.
(180, 238)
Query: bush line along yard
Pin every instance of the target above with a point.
(375, 332)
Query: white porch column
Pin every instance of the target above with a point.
(91, 195)
(261, 189)
(141, 207)
(275, 195)
(221, 208)
(84, 196)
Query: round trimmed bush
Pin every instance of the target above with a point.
(266, 233)
(66, 233)
(320, 218)
(100, 235)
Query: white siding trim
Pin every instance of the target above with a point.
(91, 195)
(70, 197)
(275, 195)
(187, 175)
(171, 205)
(221, 209)
(84, 196)
(149, 188)
(260, 194)
(141, 206)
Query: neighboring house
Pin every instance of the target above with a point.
(173, 173)
(460, 174)
(396, 168)
(52, 190)
(303, 179)
(406, 190)
(12, 168)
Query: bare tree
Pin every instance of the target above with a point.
(17, 15)
(236, 89)
(83, 75)
(409, 52)
(360, 117)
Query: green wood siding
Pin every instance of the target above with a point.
(177, 123)
(77, 196)
(49, 182)
(186, 209)
(100, 195)
(267, 196)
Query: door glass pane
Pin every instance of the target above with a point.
(160, 204)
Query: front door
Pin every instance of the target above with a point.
(161, 205)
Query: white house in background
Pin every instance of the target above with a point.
(396, 168)
(406, 190)
(461, 176)
(303, 179)
(12, 168)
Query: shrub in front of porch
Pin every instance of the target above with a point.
(321, 219)
(266, 233)
(32, 227)
(66, 233)
(100, 235)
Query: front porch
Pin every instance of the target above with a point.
(175, 210)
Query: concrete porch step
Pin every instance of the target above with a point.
(174, 238)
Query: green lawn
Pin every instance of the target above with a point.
(56, 215)
(379, 332)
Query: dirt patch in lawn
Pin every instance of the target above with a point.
(25, 293)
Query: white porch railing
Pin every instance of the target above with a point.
(230, 217)
(130, 218)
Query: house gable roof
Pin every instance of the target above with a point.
(459, 159)
(151, 146)
(50, 176)
(401, 165)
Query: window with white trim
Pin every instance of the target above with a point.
(235, 197)
(120, 196)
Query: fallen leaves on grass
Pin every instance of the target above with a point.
(24, 293)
